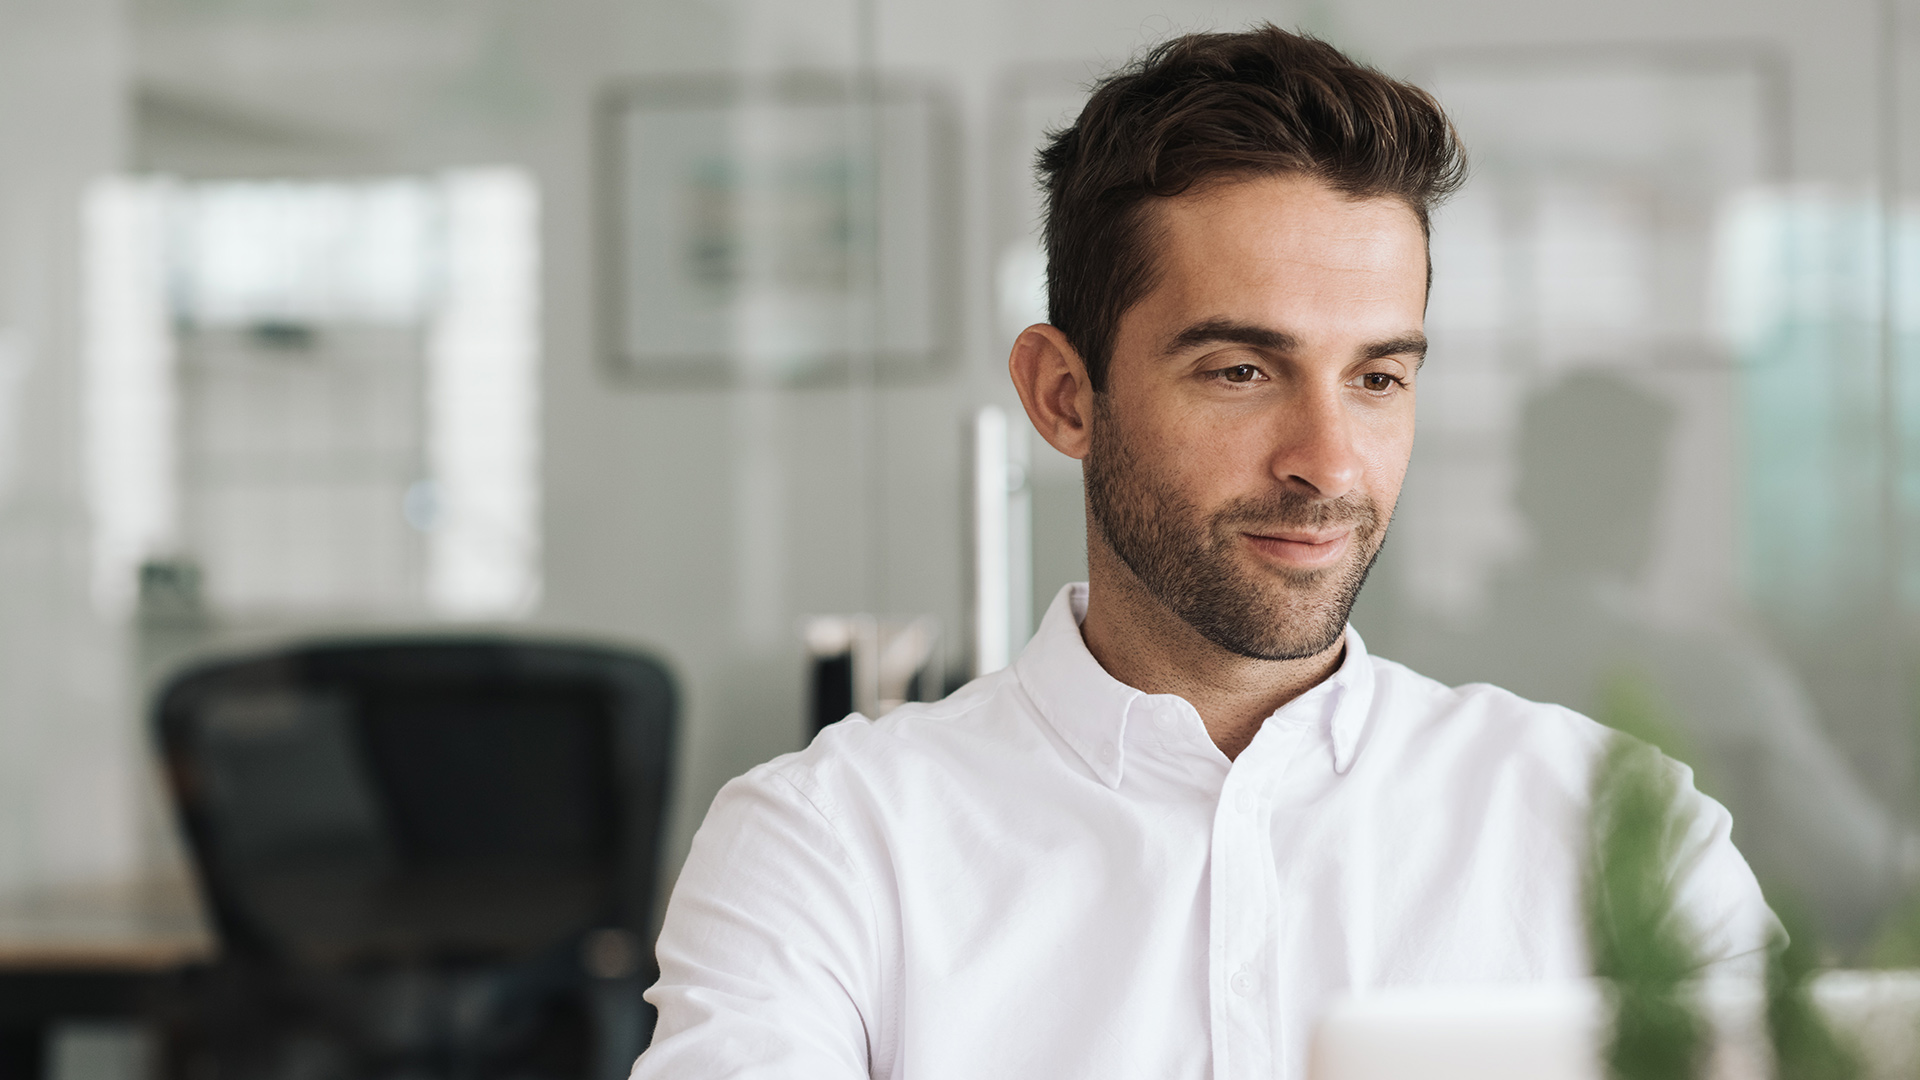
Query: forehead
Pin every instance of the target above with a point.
(1289, 248)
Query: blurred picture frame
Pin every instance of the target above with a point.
(796, 230)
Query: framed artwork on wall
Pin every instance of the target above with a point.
(786, 231)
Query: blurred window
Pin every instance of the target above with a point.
(323, 393)
(1802, 277)
(251, 252)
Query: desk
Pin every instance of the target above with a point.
(90, 953)
(149, 926)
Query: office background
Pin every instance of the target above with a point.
(671, 326)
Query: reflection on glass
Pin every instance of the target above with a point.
(1569, 624)
(1653, 448)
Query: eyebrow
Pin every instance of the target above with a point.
(1223, 331)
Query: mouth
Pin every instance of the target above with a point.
(1301, 550)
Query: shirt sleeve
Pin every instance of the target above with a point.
(767, 955)
(1716, 889)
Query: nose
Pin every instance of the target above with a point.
(1316, 451)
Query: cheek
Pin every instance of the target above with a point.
(1197, 453)
(1212, 446)
(1229, 459)
(1387, 452)
(1176, 434)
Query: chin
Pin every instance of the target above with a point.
(1275, 621)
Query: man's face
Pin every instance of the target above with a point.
(1249, 447)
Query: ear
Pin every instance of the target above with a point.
(1054, 387)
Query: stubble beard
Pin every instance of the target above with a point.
(1189, 560)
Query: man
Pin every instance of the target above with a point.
(1195, 808)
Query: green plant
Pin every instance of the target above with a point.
(1896, 942)
(1637, 934)
(1804, 1046)
(1631, 703)
(1639, 937)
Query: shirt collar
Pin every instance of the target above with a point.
(1090, 709)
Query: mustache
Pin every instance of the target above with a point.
(1281, 510)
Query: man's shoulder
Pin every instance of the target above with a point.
(1420, 709)
(1488, 731)
(984, 720)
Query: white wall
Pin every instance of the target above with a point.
(67, 738)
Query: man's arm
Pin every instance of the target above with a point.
(768, 961)
(1715, 887)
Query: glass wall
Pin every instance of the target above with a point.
(1651, 447)
(672, 325)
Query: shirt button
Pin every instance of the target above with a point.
(1245, 982)
(1163, 720)
(1245, 802)
(1106, 754)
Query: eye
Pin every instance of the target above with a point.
(1240, 373)
(1378, 381)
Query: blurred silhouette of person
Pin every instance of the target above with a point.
(1565, 626)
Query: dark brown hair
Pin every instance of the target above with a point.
(1209, 106)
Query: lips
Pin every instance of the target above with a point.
(1301, 550)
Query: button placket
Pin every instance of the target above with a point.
(1245, 917)
(1251, 905)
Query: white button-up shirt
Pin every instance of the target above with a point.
(1052, 874)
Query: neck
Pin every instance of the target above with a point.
(1144, 644)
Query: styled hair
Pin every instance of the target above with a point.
(1204, 107)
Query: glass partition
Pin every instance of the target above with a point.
(684, 326)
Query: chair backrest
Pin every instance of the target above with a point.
(421, 800)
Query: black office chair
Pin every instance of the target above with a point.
(423, 858)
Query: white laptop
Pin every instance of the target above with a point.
(1554, 1031)
(1550, 1031)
